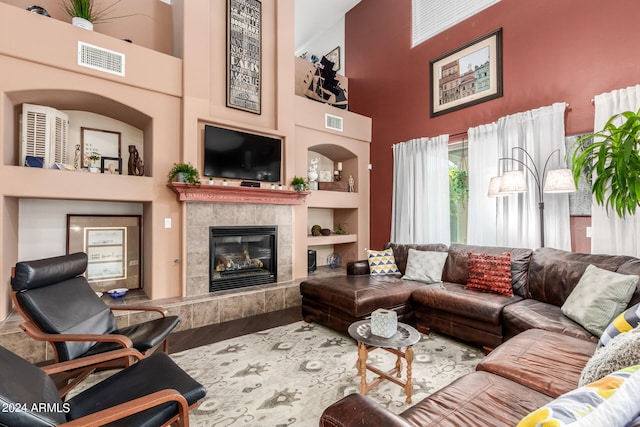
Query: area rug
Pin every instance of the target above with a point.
(286, 376)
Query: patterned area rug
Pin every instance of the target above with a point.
(286, 376)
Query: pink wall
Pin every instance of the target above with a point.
(553, 51)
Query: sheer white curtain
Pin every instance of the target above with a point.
(610, 233)
(420, 212)
(483, 164)
(517, 217)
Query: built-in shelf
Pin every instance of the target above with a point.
(333, 239)
(235, 194)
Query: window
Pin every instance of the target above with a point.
(458, 191)
(431, 17)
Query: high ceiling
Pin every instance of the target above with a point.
(315, 17)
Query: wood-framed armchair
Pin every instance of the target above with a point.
(59, 307)
(153, 392)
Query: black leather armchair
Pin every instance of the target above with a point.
(153, 392)
(60, 307)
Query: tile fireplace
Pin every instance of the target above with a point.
(242, 256)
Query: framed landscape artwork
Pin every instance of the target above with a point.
(468, 75)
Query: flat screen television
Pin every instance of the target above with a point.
(239, 155)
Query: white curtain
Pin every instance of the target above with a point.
(420, 212)
(483, 164)
(610, 233)
(516, 218)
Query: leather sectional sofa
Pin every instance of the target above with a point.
(537, 353)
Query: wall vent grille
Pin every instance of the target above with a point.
(333, 122)
(98, 58)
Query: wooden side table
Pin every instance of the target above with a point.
(406, 337)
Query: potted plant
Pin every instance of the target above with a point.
(84, 13)
(611, 163)
(299, 184)
(184, 172)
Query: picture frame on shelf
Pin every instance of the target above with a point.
(468, 75)
(113, 247)
(99, 143)
(244, 55)
(111, 165)
(334, 56)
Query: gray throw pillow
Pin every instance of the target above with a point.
(425, 266)
(598, 298)
(621, 352)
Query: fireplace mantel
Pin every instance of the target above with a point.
(236, 194)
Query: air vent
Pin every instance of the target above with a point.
(100, 59)
(333, 122)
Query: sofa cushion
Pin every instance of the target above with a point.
(622, 351)
(632, 266)
(490, 273)
(532, 359)
(611, 401)
(382, 263)
(478, 398)
(358, 296)
(624, 322)
(425, 266)
(456, 267)
(554, 273)
(598, 298)
(454, 298)
(401, 251)
(530, 314)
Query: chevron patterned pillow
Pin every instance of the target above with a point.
(382, 263)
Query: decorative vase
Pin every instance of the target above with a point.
(180, 177)
(82, 23)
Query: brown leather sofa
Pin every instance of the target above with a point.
(541, 281)
(538, 353)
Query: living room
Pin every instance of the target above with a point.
(551, 52)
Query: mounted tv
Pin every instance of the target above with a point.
(239, 155)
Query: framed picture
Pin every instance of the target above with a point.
(112, 245)
(334, 56)
(96, 143)
(112, 165)
(468, 75)
(244, 54)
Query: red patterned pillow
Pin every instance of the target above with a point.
(490, 273)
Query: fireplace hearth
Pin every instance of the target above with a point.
(242, 256)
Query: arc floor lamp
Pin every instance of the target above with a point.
(514, 181)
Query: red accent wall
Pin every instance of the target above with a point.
(553, 51)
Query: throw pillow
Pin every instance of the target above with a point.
(490, 273)
(425, 266)
(611, 401)
(598, 298)
(626, 321)
(382, 263)
(622, 351)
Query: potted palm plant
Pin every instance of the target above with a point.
(184, 172)
(84, 13)
(611, 163)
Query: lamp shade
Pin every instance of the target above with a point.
(559, 181)
(513, 182)
(494, 187)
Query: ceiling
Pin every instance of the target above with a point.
(315, 17)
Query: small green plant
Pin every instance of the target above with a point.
(88, 10)
(184, 172)
(299, 184)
